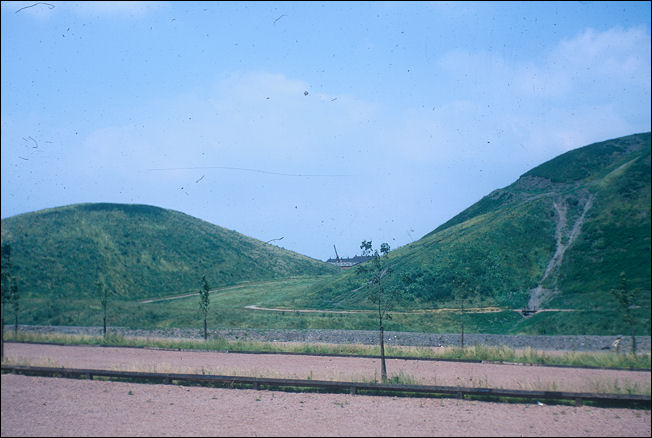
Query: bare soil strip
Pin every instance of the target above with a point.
(38, 406)
(440, 373)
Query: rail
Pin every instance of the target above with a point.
(352, 387)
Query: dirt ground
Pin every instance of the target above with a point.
(39, 406)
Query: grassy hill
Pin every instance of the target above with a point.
(557, 238)
(140, 251)
(554, 241)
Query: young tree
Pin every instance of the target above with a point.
(461, 294)
(375, 270)
(9, 288)
(13, 302)
(203, 302)
(461, 301)
(103, 293)
(5, 272)
(626, 299)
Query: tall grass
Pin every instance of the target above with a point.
(475, 352)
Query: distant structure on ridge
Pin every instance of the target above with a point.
(347, 262)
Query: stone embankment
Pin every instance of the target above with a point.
(569, 343)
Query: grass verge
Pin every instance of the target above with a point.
(476, 352)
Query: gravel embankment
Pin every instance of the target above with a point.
(570, 343)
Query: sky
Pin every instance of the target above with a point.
(308, 124)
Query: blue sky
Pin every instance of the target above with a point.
(321, 123)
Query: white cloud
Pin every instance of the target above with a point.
(595, 62)
(509, 117)
(622, 54)
(255, 120)
(586, 87)
(591, 61)
(497, 119)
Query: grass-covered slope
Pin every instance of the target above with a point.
(558, 237)
(140, 251)
(555, 240)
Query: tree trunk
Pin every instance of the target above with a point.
(383, 368)
(16, 324)
(633, 342)
(462, 321)
(462, 335)
(104, 330)
(205, 331)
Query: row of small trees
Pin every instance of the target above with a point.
(103, 293)
(379, 267)
(10, 296)
(374, 271)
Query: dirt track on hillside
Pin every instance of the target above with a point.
(40, 406)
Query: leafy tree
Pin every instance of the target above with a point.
(203, 303)
(374, 270)
(626, 299)
(366, 248)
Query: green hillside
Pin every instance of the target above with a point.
(140, 251)
(554, 242)
(557, 238)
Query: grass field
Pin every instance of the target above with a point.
(228, 308)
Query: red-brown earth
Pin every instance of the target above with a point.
(40, 406)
